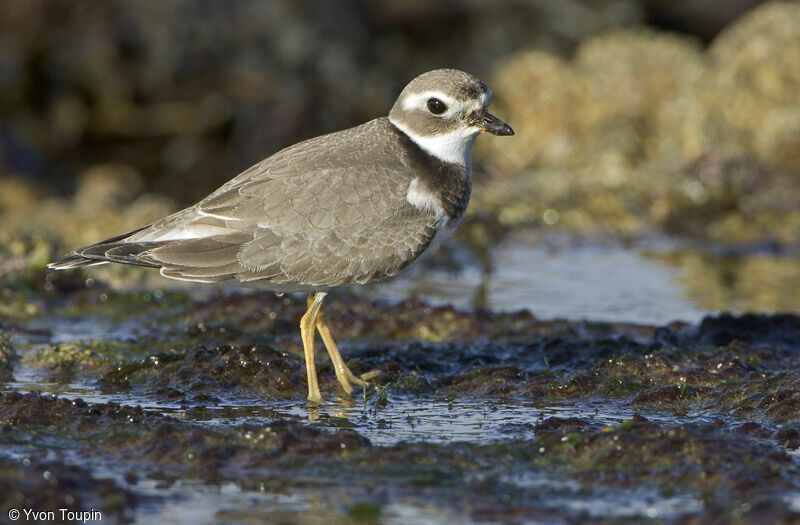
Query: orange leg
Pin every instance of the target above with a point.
(308, 331)
(313, 321)
(343, 373)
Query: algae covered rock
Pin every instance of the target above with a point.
(600, 108)
(627, 76)
(748, 100)
(757, 74)
(638, 95)
(541, 91)
(644, 129)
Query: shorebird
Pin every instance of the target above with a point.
(349, 207)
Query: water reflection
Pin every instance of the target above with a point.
(738, 283)
(652, 282)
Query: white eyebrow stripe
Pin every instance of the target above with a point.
(419, 100)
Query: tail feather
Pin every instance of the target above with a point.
(120, 252)
(114, 249)
(73, 261)
(204, 260)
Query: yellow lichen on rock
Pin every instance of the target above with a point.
(628, 75)
(645, 118)
(757, 80)
(540, 91)
(638, 95)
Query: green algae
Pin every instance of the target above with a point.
(364, 511)
(94, 356)
(522, 416)
(738, 373)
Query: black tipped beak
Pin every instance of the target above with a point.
(488, 122)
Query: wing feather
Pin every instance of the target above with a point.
(311, 215)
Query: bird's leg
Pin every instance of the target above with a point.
(343, 373)
(308, 332)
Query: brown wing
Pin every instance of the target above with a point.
(310, 216)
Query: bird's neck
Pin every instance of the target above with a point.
(454, 147)
(450, 182)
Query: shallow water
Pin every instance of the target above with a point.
(638, 502)
(227, 503)
(403, 418)
(398, 418)
(650, 282)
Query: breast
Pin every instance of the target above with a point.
(442, 189)
(437, 185)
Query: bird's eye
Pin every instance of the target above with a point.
(436, 106)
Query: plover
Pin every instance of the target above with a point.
(343, 208)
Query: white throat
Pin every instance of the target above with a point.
(454, 147)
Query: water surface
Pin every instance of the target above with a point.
(651, 282)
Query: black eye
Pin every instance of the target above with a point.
(436, 106)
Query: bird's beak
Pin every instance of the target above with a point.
(488, 122)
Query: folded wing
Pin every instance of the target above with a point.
(311, 216)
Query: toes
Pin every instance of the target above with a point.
(371, 375)
(358, 381)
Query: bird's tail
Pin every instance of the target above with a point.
(115, 249)
(73, 261)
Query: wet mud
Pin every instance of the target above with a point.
(131, 402)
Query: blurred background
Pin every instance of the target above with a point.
(647, 130)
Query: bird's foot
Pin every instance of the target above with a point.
(369, 376)
(347, 379)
